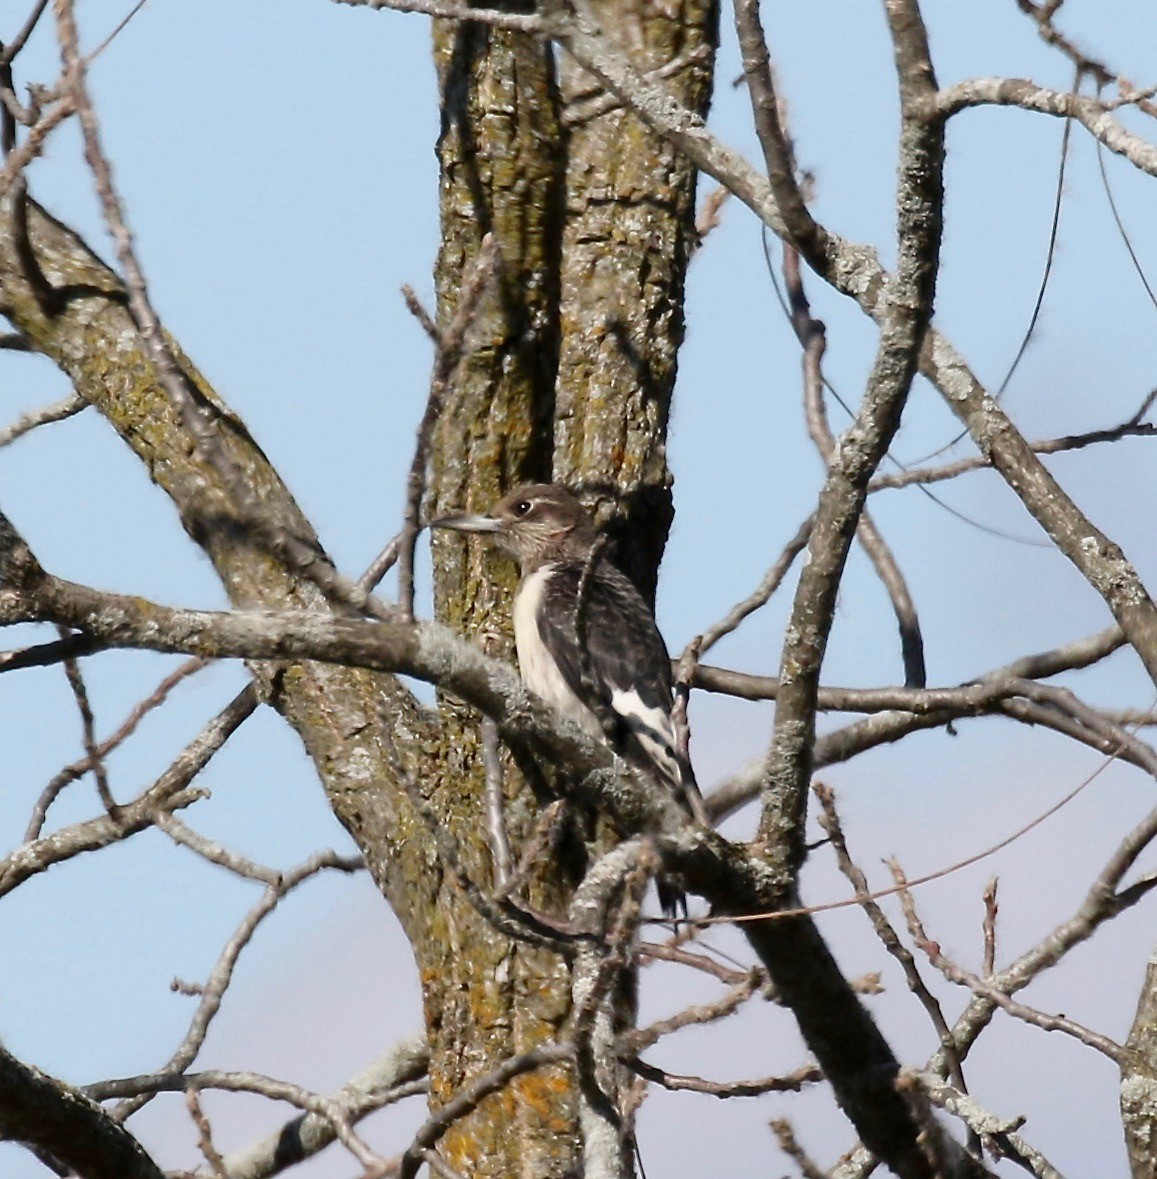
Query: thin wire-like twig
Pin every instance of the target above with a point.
(88, 733)
(1038, 304)
(1120, 224)
(221, 975)
(102, 749)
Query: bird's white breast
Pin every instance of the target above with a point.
(536, 664)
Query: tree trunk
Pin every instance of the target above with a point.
(574, 350)
(629, 233)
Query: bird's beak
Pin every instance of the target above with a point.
(467, 523)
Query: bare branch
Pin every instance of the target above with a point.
(785, 1136)
(1130, 429)
(905, 317)
(1102, 902)
(619, 879)
(990, 910)
(762, 594)
(957, 974)
(205, 1136)
(890, 940)
(102, 749)
(13, 48)
(1063, 104)
(218, 982)
(58, 411)
(49, 1115)
(88, 735)
(980, 1122)
(494, 17)
(855, 271)
(392, 1076)
(197, 415)
(810, 332)
(807, 1074)
(640, 1039)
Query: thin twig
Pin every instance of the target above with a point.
(397, 1074)
(785, 1136)
(21, 39)
(468, 1099)
(197, 413)
(222, 973)
(761, 595)
(449, 354)
(640, 1039)
(58, 411)
(205, 1135)
(808, 1074)
(830, 822)
(444, 10)
(102, 749)
(811, 334)
(990, 910)
(980, 1122)
(88, 734)
(965, 978)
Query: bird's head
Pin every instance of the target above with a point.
(534, 523)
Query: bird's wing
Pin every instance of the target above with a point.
(629, 669)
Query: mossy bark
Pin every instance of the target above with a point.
(630, 230)
(486, 997)
(569, 376)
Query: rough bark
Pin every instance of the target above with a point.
(609, 326)
(630, 212)
(486, 998)
(55, 1119)
(1139, 1082)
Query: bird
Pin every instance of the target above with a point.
(609, 672)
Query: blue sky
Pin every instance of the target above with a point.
(277, 164)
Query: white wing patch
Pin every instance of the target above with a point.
(652, 728)
(536, 664)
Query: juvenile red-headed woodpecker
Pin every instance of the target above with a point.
(615, 682)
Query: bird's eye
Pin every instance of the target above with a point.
(522, 507)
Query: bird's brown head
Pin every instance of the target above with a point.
(535, 523)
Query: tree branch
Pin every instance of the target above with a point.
(49, 1115)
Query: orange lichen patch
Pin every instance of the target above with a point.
(545, 1092)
